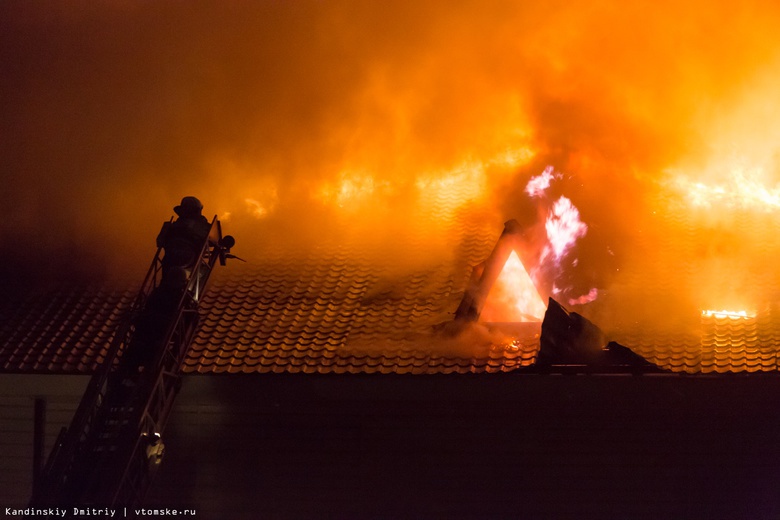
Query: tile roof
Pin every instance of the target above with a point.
(333, 310)
(328, 311)
(691, 341)
(62, 331)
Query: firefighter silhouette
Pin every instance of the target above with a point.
(182, 241)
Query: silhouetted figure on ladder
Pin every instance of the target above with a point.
(182, 241)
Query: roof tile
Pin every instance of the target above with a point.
(333, 311)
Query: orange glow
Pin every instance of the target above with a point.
(451, 189)
(735, 315)
(352, 190)
(723, 330)
(743, 188)
(737, 165)
(258, 209)
(513, 297)
(398, 126)
(468, 183)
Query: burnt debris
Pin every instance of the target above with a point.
(570, 339)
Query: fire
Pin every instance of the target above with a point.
(727, 330)
(514, 296)
(744, 188)
(734, 315)
(563, 224)
(468, 181)
(435, 193)
(737, 167)
(539, 184)
(453, 188)
(563, 227)
(351, 190)
(585, 298)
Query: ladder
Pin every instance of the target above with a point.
(103, 458)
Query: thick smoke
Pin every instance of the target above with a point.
(306, 122)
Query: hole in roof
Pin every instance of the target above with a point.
(513, 297)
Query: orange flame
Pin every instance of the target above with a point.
(585, 298)
(735, 315)
(563, 224)
(563, 227)
(514, 296)
(539, 184)
(744, 188)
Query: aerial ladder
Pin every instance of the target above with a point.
(108, 455)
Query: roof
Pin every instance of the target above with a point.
(62, 331)
(336, 310)
(707, 259)
(332, 310)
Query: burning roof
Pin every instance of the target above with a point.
(311, 121)
(338, 310)
(636, 143)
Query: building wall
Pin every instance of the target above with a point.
(61, 395)
(482, 446)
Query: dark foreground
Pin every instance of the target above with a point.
(482, 446)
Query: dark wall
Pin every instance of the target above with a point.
(482, 446)
(60, 395)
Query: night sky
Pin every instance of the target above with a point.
(307, 121)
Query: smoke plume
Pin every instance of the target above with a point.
(307, 122)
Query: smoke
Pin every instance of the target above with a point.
(305, 123)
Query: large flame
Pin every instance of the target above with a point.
(735, 185)
(737, 164)
(513, 297)
(563, 227)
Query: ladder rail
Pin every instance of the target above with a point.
(62, 458)
(167, 362)
(161, 382)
